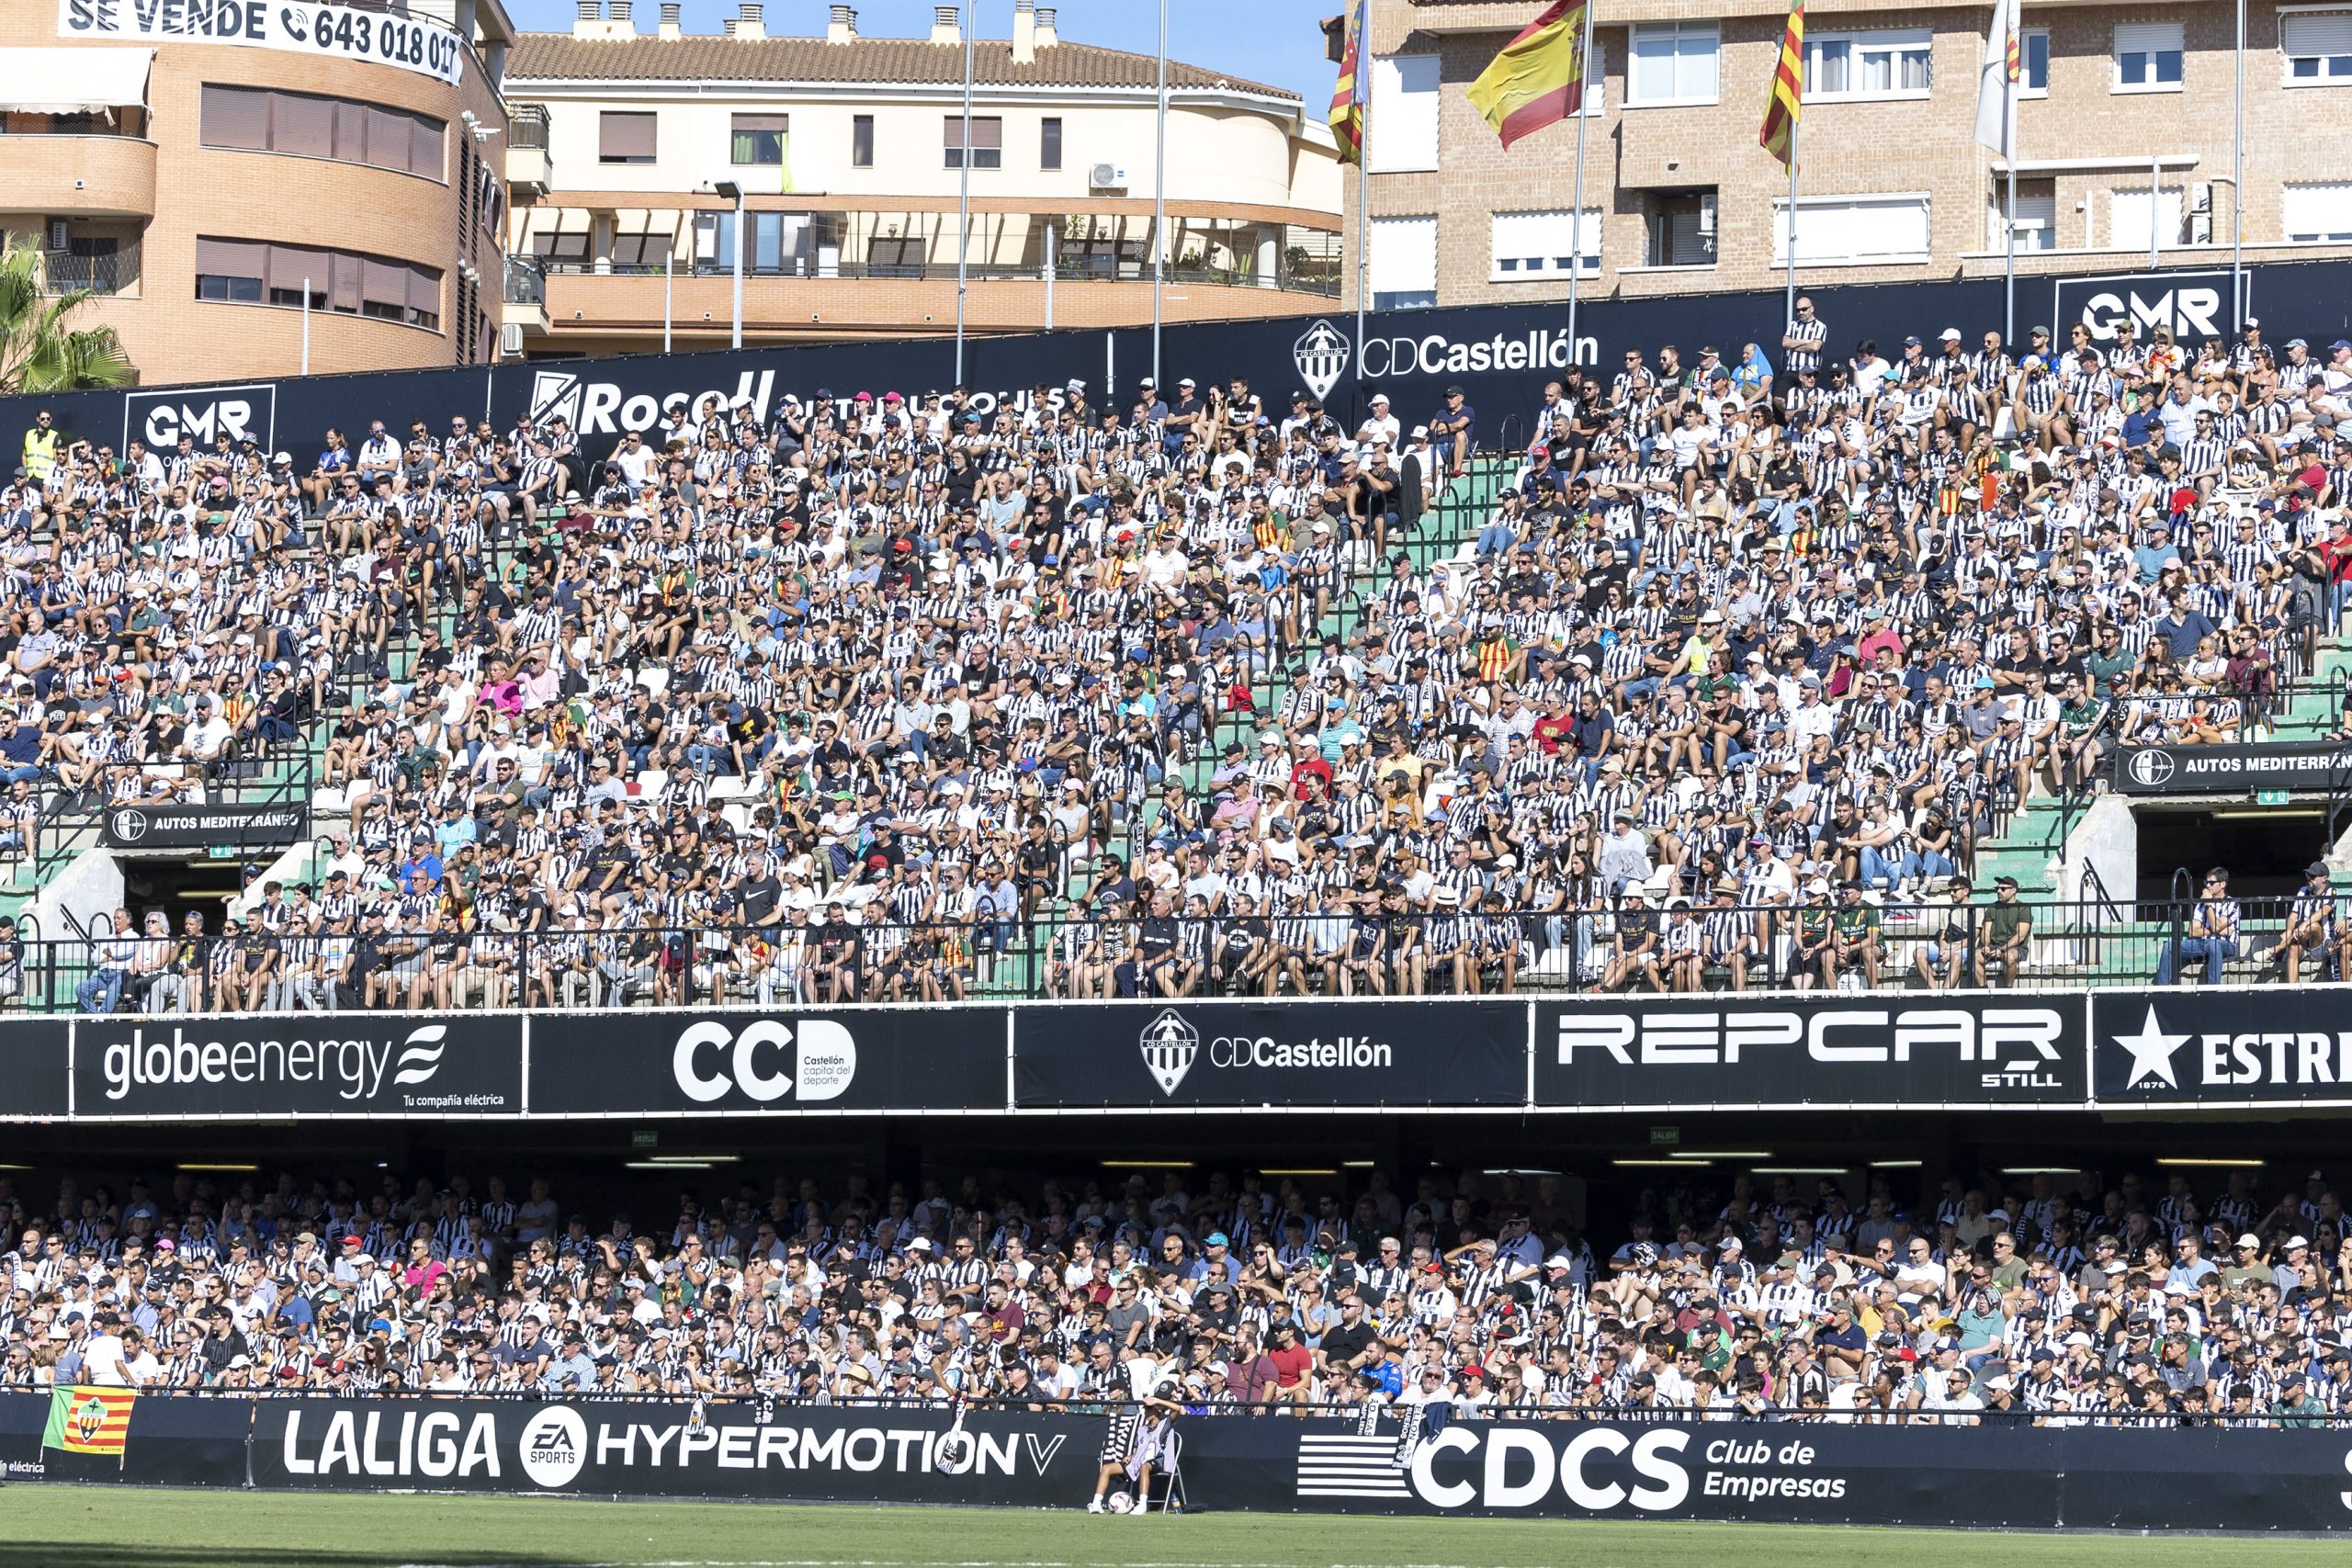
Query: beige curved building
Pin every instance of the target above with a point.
(199, 181)
(846, 150)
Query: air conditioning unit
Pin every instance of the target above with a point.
(1706, 214)
(2200, 196)
(2200, 228)
(510, 338)
(1106, 176)
(57, 236)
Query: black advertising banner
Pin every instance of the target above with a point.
(2270, 1046)
(170, 1441)
(2232, 769)
(34, 1053)
(1308, 1056)
(2007, 1474)
(653, 1449)
(1826, 1052)
(265, 1066)
(732, 1063)
(201, 827)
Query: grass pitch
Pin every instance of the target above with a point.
(79, 1527)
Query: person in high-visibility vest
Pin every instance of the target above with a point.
(40, 447)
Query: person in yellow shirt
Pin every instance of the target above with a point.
(40, 447)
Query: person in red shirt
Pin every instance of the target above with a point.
(1293, 1361)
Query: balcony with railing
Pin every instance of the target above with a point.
(113, 271)
(528, 167)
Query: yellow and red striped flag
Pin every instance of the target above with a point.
(1782, 110)
(1348, 93)
(84, 1420)
(1539, 76)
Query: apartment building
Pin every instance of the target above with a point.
(206, 170)
(633, 150)
(2125, 128)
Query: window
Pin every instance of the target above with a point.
(1671, 62)
(1868, 66)
(2147, 57)
(757, 140)
(1681, 229)
(2318, 46)
(624, 136)
(2033, 63)
(2127, 218)
(861, 141)
(264, 119)
(773, 243)
(895, 258)
(644, 250)
(1404, 263)
(987, 142)
(2318, 212)
(1543, 244)
(1401, 119)
(1049, 142)
(2037, 214)
(1853, 231)
(250, 272)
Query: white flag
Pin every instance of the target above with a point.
(1994, 80)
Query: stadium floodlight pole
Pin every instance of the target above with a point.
(1584, 114)
(733, 191)
(306, 325)
(1159, 201)
(964, 199)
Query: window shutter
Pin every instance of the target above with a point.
(302, 125)
(383, 283)
(2310, 33)
(231, 258)
(426, 138)
(425, 291)
(2147, 38)
(343, 289)
(624, 134)
(779, 123)
(289, 265)
(235, 117)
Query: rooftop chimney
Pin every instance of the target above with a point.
(1025, 31)
(588, 21)
(1046, 38)
(841, 27)
(946, 25)
(747, 23)
(670, 27)
(617, 11)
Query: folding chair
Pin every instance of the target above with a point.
(1168, 1479)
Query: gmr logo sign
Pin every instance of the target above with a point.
(710, 1059)
(241, 414)
(2191, 305)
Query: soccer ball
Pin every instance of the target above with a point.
(1123, 1503)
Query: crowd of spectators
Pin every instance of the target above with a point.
(1175, 690)
(1724, 1296)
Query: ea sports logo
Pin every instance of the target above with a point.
(2152, 769)
(1170, 1045)
(554, 1446)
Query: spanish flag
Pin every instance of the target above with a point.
(1779, 136)
(1347, 94)
(88, 1420)
(1539, 76)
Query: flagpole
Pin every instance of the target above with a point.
(2010, 146)
(1584, 113)
(1160, 197)
(1795, 122)
(2237, 181)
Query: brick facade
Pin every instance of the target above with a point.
(2082, 141)
(171, 335)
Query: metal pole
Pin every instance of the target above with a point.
(1052, 247)
(306, 325)
(735, 337)
(963, 202)
(2010, 229)
(669, 264)
(1363, 243)
(2155, 206)
(1791, 303)
(2237, 182)
(1584, 113)
(1159, 201)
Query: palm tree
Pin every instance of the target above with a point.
(39, 353)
